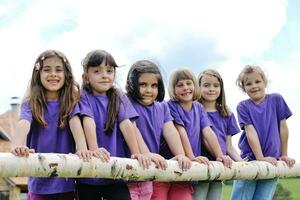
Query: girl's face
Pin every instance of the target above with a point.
(210, 88)
(184, 90)
(255, 86)
(100, 78)
(52, 76)
(148, 88)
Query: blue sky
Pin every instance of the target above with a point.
(225, 35)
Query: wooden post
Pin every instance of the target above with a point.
(69, 165)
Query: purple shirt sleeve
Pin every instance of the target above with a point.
(26, 112)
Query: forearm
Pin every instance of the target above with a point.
(172, 137)
(254, 144)
(284, 135)
(185, 142)
(78, 134)
(141, 143)
(22, 129)
(212, 141)
(89, 127)
(129, 134)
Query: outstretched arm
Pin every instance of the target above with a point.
(211, 139)
(89, 128)
(284, 135)
(254, 144)
(231, 151)
(78, 135)
(19, 147)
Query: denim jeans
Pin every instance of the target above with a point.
(254, 189)
(208, 191)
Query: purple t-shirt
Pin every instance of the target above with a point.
(49, 139)
(265, 117)
(151, 122)
(194, 121)
(96, 107)
(223, 126)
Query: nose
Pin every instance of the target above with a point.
(53, 73)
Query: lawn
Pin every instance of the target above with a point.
(291, 184)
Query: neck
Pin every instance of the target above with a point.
(210, 106)
(52, 95)
(186, 105)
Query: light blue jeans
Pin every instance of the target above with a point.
(254, 189)
(208, 191)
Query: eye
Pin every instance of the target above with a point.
(110, 70)
(142, 85)
(154, 85)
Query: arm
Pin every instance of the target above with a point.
(284, 135)
(132, 137)
(185, 141)
(212, 141)
(22, 130)
(173, 139)
(78, 135)
(159, 161)
(89, 128)
(231, 151)
(254, 144)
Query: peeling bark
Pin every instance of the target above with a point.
(62, 165)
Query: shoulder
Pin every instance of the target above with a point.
(275, 96)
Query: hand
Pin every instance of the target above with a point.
(159, 161)
(226, 160)
(183, 162)
(289, 161)
(143, 159)
(201, 159)
(101, 153)
(85, 155)
(268, 159)
(22, 151)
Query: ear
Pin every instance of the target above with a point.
(85, 78)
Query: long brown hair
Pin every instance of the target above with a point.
(95, 59)
(221, 100)
(36, 94)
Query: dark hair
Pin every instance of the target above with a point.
(36, 94)
(95, 59)
(137, 69)
(221, 100)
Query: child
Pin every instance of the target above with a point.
(223, 124)
(262, 118)
(107, 116)
(145, 88)
(49, 118)
(190, 117)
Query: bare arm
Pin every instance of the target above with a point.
(89, 128)
(185, 141)
(172, 137)
(78, 135)
(254, 144)
(284, 135)
(19, 147)
(231, 151)
(141, 143)
(213, 144)
(132, 137)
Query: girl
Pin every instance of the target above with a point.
(145, 88)
(262, 118)
(191, 119)
(106, 122)
(223, 124)
(49, 118)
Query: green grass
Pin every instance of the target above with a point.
(291, 184)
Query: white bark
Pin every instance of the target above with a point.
(69, 165)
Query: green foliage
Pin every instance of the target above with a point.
(282, 193)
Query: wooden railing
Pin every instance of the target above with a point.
(69, 165)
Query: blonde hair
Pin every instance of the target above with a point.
(182, 74)
(221, 100)
(248, 69)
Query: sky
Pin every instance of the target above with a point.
(200, 34)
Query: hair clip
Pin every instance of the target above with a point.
(42, 58)
(37, 66)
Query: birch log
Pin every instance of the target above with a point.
(69, 165)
